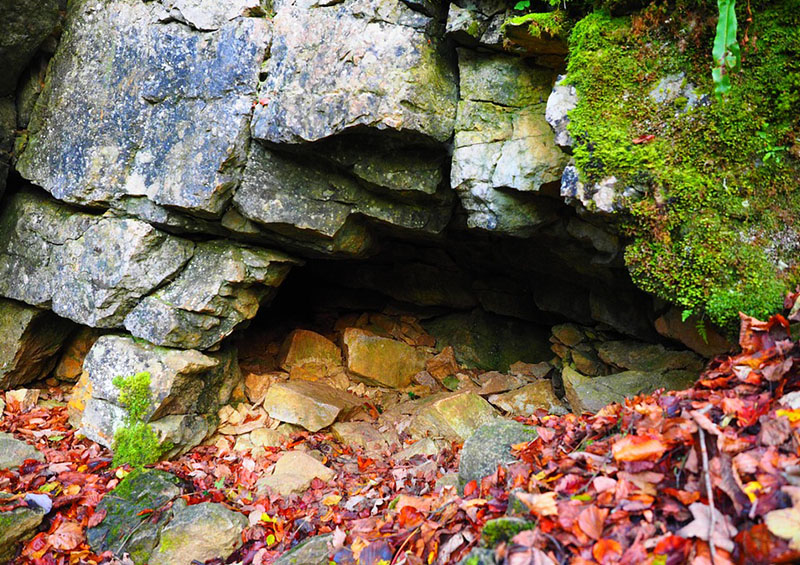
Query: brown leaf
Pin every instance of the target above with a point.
(592, 520)
(539, 504)
(699, 527)
(638, 448)
(67, 536)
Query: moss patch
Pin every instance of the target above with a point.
(715, 230)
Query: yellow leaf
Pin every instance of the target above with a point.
(751, 488)
(792, 415)
(72, 490)
(331, 500)
(785, 523)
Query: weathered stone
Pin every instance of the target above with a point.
(304, 347)
(177, 133)
(587, 362)
(312, 405)
(89, 269)
(490, 342)
(360, 434)
(70, 365)
(568, 334)
(672, 326)
(381, 360)
(31, 339)
(638, 356)
(23, 399)
(313, 551)
(562, 100)
(495, 383)
(490, 446)
(8, 123)
(198, 533)
(25, 24)
(2, 408)
(424, 446)
(602, 198)
(547, 47)
(15, 527)
(319, 207)
(182, 383)
(264, 437)
(526, 400)
(443, 364)
(453, 416)
(473, 23)
(503, 145)
(590, 234)
(675, 89)
(125, 529)
(502, 529)
(293, 474)
(14, 452)
(374, 63)
(590, 394)
(181, 432)
(222, 285)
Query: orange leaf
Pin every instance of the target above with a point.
(592, 520)
(67, 536)
(638, 448)
(607, 551)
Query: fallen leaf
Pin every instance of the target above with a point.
(607, 551)
(699, 527)
(539, 504)
(785, 523)
(591, 520)
(638, 448)
(67, 536)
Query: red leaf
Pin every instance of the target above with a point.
(592, 520)
(644, 139)
(638, 448)
(607, 551)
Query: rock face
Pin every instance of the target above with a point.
(504, 149)
(16, 526)
(110, 272)
(489, 447)
(31, 339)
(187, 387)
(373, 63)
(176, 134)
(24, 26)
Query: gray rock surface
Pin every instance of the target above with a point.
(176, 132)
(14, 452)
(15, 527)
(476, 22)
(504, 149)
(198, 533)
(639, 356)
(313, 551)
(185, 386)
(123, 530)
(334, 66)
(31, 339)
(8, 119)
(562, 100)
(23, 27)
(109, 272)
(489, 447)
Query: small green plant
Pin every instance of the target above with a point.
(726, 52)
(136, 443)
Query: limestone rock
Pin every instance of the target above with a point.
(568, 334)
(639, 356)
(8, 123)
(15, 527)
(312, 405)
(443, 364)
(424, 446)
(671, 325)
(222, 286)
(374, 63)
(293, 474)
(31, 339)
(25, 24)
(176, 132)
(182, 383)
(490, 446)
(124, 530)
(524, 401)
(360, 434)
(494, 383)
(89, 269)
(590, 394)
(453, 416)
(490, 342)
(321, 208)
(381, 360)
(264, 437)
(504, 149)
(603, 197)
(14, 452)
(304, 347)
(198, 533)
(313, 551)
(562, 100)
(70, 365)
(476, 22)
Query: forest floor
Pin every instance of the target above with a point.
(706, 475)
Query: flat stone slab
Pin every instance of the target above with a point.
(293, 474)
(312, 405)
(382, 361)
(14, 452)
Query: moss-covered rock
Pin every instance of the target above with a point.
(489, 447)
(313, 551)
(16, 526)
(503, 529)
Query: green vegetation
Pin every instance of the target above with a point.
(712, 228)
(554, 24)
(136, 443)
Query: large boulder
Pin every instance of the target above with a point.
(489, 447)
(125, 529)
(313, 551)
(187, 388)
(311, 405)
(526, 400)
(307, 349)
(113, 272)
(15, 526)
(452, 416)
(293, 474)
(14, 452)
(505, 151)
(372, 63)
(23, 27)
(198, 533)
(148, 99)
(31, 340)
(380, 360)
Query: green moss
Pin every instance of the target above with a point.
(136, 443)
(718, 184)
(503, 529)
(553, 24)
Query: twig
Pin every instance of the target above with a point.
(710, 493)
